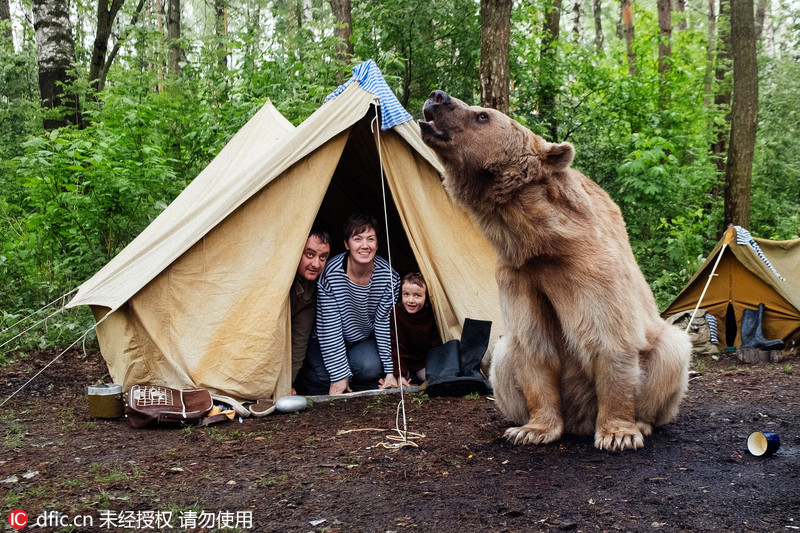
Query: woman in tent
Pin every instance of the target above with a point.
(356, 292)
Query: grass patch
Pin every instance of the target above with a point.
(419, 399)
(73, 483)
(216, 434)
(110, 474)
(11, 500)
(271, 479)
(699, 365)
(15, 436)
(66, 418)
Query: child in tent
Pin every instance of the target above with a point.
(416, 330)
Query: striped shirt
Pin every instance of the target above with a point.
(348, 313)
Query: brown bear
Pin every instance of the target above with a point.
(585, 350)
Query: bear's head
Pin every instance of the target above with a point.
(487, 156)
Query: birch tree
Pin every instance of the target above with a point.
(55, 50)
(173, 37)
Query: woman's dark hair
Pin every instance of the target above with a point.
(359, 223)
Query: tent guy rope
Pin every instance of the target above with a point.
(56, 358)
(61, 299)
(401, 406)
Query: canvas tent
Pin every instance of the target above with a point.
(751, 271)
(200, 297)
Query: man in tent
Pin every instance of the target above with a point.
(303, 295)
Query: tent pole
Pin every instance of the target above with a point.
(710, 277)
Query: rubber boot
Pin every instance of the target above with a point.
(442, 368)
(454, 368)
(474, 343)
(752, 336)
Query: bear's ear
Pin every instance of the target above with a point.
(559, 156)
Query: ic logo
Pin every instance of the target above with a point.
(18, 518)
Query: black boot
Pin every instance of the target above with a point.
(453, 369)
(442, 368)
(752, 336)
(474, 343)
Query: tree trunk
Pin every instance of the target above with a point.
(627, 25)
(173, 37)
(344, 31)
(114, 51)
(494, 67)
(709, 75)
(722, 95)
(105, 21)
(680, 7)
(159, 12)
(5, 25)
(56, 56)
(221, 30)
(761, 14)
(744, 114)
(577, 21)
(598, 24)
(664, 49)
(548, 81)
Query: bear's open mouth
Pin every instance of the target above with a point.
(428, 126)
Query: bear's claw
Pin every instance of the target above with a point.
(619, 439)
(531, 435)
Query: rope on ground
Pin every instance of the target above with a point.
(402, 439)
(56, 358)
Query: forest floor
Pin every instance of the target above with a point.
(332, 467)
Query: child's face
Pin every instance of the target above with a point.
(413, 297)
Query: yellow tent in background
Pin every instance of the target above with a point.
(743, 279)
(201, 297)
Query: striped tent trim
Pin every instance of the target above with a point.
(369, 77)
(743, 237)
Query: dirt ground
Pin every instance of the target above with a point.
(328, 468)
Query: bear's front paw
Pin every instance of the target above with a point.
(618, 437)
(530, 434)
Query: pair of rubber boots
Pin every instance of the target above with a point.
(752, 337)
(454, 368)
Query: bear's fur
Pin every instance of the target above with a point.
(585, 350)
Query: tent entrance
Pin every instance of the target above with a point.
(730, 326)
(356, 188)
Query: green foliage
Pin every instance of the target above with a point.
(421, 46)
(775, 212)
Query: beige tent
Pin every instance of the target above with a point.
(743, 279)
(200, 297)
